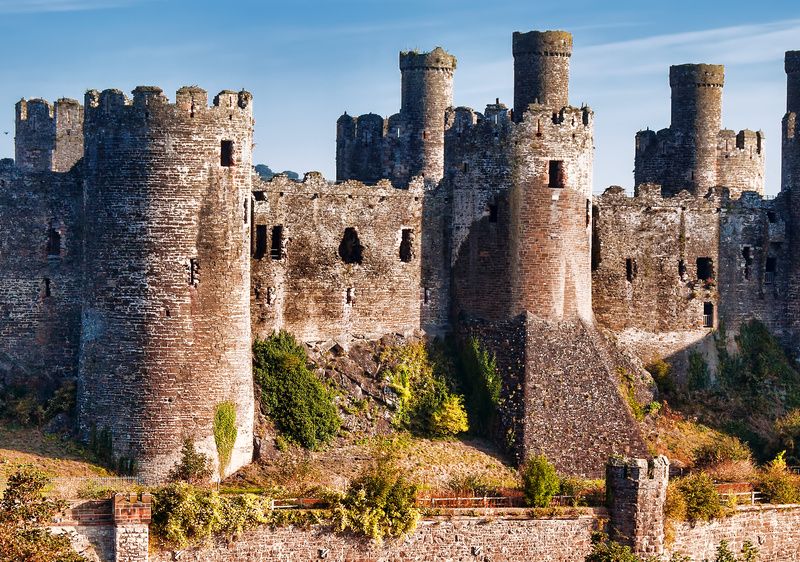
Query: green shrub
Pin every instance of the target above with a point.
(291, 395)
(661, 371)
(698, 376)
(723, 448)
(605, 550)
(184, 515)
(420, 375)
(724, 553)
(787, 428)
(379, 504)
(777, 484)
(539, 481)
(701, 498)
(193, 467)
(225, 432)
(628, 390)
(482, 384)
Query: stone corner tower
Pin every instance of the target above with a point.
(49, 137)
(165, 340)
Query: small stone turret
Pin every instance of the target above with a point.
(49, 138)
(636, 490)
(541, 69)
(165, 339)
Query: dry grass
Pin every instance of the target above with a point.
(677, 437)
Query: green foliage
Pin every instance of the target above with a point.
(23, 405)
(777, 484)
(787, 428)
(605, 550)
(702, 501)
(378, 504)
(291, 395)
(24, 514)
(481, 383)
(225, 432)
(723, 448)
(421, 377)
(193, 467)
(539, 481)
(629, 391)
(724, 553)
(91, 490)
(698, 376)
(661, 371)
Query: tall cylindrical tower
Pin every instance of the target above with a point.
(792, 65)
(790, 156)
(697, 116)
(541, 69)
(165, 344)
(426, 92)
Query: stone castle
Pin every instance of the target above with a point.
(140, 254)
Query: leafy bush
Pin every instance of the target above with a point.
(605, 550)
(702, 501)
(777, 484)
(539, 481)
(482, 384)
(698, 377)
(225, 432)
(583, 492)
(787, 428)
(193, 467)
(423, 384)
(291, 395)
(723, 448)
(675, 503)
(724, 553)
(661, 371)
(26, 405)
(378, 504)
(25, 512)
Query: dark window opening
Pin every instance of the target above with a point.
(246, 208)
(226, 153)
(350, 296)
(53, 242)
(260, 247)
(465, 167)
(260, 196)
(350, 248)
(46, 287)
(708, 315)
(426, 295)
(769, 271)
(596, 257)
(747, 255)
(276, 246)
(588, 213)
(705, 269)
(407, 245)
(493, 212)
(630, 269)
(194, 272)
(556, 173)
(772, 217)
(681, 269)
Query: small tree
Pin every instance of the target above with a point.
(193, 467)
(539, 481)
(24, 515)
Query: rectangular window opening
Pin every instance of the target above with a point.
(769, 270)
(556, 173)
(406, 245)
(493, 212)
(276, 247)
(708, 315)
(226, 153)
(53, 242)
(46, 290)
(630, 269)
(705, 269)
(260, 246)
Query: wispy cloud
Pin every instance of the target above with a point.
(39, 6)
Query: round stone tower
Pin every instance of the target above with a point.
(426, 92)
(697, 117)
(165, 345)
(790, 184)
(789, 145)
(541, 69)
(792, 64)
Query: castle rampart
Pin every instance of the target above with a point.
(166, 311)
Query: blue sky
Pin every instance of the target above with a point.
(308, 61)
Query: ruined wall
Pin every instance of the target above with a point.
(49, 137)
(40, 266)
(166, 310)
(453, 538)
(302, 282)
(693, 153)
(773, 529)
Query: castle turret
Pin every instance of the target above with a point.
(426, 93)
(48, 137)
(541, 69)
(790, 184)
(789, 144)
(165, 344)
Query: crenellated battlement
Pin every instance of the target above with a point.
(49, 137)
(189, 101)
(697, 75)
(437, 59)
(315, 184)
(546, 43)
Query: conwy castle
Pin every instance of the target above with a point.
(140, 254)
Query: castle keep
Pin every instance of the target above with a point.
(140, 254)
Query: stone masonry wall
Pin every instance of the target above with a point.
(302, 283)
(456, 538)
